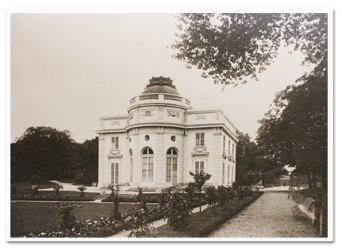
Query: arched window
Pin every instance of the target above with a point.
(171, 165)
(130, 165)
(147, 165)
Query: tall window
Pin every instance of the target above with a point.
(130, 165)
(115, 142)
(224, 142)
(115, 173)
(199, 139)
(233, 149)
(147, 165)
(199, 166)
(229, 146)
(171, 165)
(223, 172)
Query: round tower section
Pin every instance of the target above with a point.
(159, 104)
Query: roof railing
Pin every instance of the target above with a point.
(147, 97)
(173, 97)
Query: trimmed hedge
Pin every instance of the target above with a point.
(51, 196)
(149, 198)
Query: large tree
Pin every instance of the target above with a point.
(294, 131)
(253, 165)
(42, 151)
(88, 162)
(247, 168)
(48, 153)
(229, 47)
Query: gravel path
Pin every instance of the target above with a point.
(269, 216)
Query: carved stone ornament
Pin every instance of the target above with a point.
(173, 113)
(131, 115)
(115, 154)
(115, 122)
(200, 149)
(148, 113)
(200, 117)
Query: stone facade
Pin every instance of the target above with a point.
(162, 138)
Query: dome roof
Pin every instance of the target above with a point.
(160, 85)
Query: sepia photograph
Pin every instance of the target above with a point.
(147, 125)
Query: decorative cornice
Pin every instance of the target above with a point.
(107, 131)
(117, 117)
(205, 154)
(174, 125)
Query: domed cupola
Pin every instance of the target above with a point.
(159, 92)
(160, 85)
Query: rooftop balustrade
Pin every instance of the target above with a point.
(160, 97)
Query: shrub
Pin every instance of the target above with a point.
(57, 189)
(177, 211)
(190, 189)
(211, 196)
(65, 211)
(162, 199)
(200, 179)
(82, 188)
(35, 190)
(138, 220)
(223, 195)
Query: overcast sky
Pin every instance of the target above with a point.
(68, 70)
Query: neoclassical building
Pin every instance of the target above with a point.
(162, 138)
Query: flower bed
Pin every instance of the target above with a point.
(103, 227)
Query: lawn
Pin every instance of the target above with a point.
(36, 217)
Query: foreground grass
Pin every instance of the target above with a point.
(202, 224)
(36, 217)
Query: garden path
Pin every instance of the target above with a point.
(269, 216)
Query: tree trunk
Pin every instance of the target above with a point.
(314, 180)
(308, 175)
